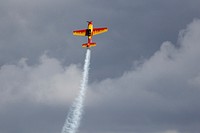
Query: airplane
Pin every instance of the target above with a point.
(90, 31)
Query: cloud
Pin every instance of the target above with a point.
(160, 94)
(47, 82)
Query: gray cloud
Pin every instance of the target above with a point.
(161, 94)
(138, 84)
(47, 82)
(136, 30)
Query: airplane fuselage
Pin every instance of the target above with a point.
(89, 32)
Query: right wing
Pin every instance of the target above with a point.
(99, 30)
(79, 32)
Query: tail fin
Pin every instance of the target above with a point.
(88, 45)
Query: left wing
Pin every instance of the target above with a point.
(79, 32)
(99, 30)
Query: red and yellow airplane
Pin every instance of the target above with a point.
(90, 31)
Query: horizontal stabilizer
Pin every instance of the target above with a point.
(88, 45)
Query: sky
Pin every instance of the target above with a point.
(144, 75)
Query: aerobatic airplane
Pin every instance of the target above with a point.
(90, 31)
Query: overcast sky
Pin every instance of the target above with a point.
(144, 74)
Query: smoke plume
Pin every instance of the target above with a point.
(73, 119)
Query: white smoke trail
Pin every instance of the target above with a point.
(73, 119)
